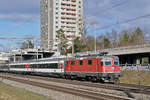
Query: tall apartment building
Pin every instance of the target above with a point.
(60, 14)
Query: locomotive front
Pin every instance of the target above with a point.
(111, 68)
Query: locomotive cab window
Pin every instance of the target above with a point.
(89, 62)
(116, 63)
(72, 63)
(107, 63)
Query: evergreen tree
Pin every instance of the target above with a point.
(106, 42)
(79, 46)
(62, 41)
(124, 39)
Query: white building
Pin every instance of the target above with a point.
(60, 14)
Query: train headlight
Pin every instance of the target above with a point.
(113, 68)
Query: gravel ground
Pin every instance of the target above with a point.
(63, 96)
(100, 90)
(53, 95)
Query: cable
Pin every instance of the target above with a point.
(116, 5)
(126, 21)
(2, 38)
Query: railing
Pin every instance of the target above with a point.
(135, 67)
(113, 49)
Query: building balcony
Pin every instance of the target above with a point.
(73, 0)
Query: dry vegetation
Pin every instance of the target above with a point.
(11, 93)
(136, 77)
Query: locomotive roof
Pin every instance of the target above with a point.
(88, 57)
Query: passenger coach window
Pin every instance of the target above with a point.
(80, 62)
(107, 63)
(89, 62)
(72, 63)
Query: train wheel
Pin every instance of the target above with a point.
(116, 81)
(101, 80)
(66, 77)
(94, 79)
(88, 78)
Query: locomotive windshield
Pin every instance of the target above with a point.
(106, 62)
(116, 62)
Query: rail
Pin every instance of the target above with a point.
(95, 95)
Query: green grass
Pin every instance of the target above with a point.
(135, 77)
(11, 93)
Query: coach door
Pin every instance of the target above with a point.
(61, 67)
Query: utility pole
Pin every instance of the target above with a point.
(95, 38)
(38, 52)
(94, 23)
(21, 56)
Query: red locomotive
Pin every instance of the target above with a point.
(94, 68)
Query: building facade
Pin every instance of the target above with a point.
(60, 14)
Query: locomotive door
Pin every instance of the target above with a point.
(98, 65)
(27, 66)
(68, 66)
(101, 65)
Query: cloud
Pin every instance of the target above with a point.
(109, 12)
(20, 17)
(106, 12)
(20, 10)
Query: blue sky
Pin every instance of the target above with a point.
(21, 18)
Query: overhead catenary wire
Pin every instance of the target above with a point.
(4, 38)
(126, 21)
(114, 6)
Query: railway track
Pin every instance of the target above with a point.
(71, 90)
(131, 88)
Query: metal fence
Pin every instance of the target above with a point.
(135, 67)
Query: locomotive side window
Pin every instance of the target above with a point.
(72, 63)
(80, 62)
(89, 62)
(102, 63)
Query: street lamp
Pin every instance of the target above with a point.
(94, 23)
